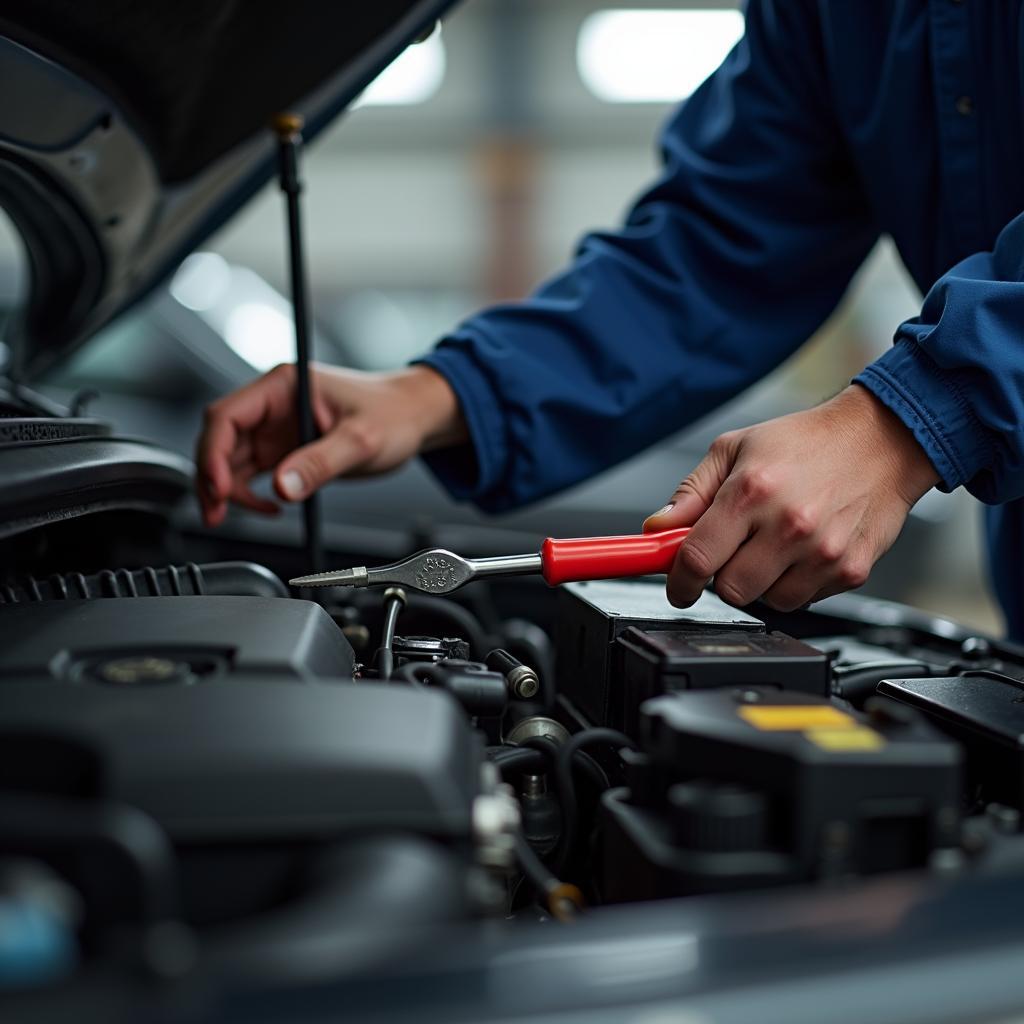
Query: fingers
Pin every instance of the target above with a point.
(716, 535)
(695, 494)
(213, 508)
(711, 544)
(323, 415)
(213, 457)
(796, 588)
(242, 495)
(746, 540)
(758, 565)
(214, 474)
(787, 573)
(346, 448)
(805, 584)
(227, 429)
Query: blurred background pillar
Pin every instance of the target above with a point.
(508, 155)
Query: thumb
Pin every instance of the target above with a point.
(694, 495)
(308, 468)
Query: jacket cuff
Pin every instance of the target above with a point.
(469, 471)
(926, 398)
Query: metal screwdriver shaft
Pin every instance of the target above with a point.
(288, 129)
(568, 560)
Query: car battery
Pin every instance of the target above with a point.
(984, 712)
(669, 660)
(593, 615)
(755, 786)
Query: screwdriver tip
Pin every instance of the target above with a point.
(339, 578)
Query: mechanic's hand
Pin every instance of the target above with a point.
(370, 422)
(797, 508)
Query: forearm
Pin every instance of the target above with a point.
(723, 268)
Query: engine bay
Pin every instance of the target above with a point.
(203, 776)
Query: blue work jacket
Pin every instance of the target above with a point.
(830, 123)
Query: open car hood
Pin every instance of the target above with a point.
(130, 132)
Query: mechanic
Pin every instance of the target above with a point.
(828, 124)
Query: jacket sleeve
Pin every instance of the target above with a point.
(955, 374)
(723, 268)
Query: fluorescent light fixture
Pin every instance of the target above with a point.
(653, 56)
(201, 281)
(252, 317)
(413, 77)
(262, 334)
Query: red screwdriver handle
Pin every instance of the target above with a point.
(606, 558)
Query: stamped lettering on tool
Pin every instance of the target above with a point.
(436, 574)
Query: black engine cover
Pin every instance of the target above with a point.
(199, 637)
(224, 719)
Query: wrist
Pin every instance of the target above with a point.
(912, 469)
(434, 407)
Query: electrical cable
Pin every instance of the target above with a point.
(384, 659)
(564, 783)
(464, 622)
(563, 899)
(860, 682)
(597, 775)
(395, 599)
(583, 761)
(566, 791)
(520, 759)
(422, 611)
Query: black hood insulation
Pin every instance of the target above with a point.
(197, 77)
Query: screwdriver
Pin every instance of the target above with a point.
(572, 560)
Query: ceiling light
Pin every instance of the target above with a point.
(261, 334)
(653, 56)
(201, 281)
(413, 77)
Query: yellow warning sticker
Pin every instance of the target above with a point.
(796, 717)
(848, 740)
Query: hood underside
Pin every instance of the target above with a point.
(130, 132)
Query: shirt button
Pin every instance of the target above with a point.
(965, 105)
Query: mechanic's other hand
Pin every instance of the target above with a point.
(370, 423)
(797, 508)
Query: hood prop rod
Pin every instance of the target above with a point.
(288, 129)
